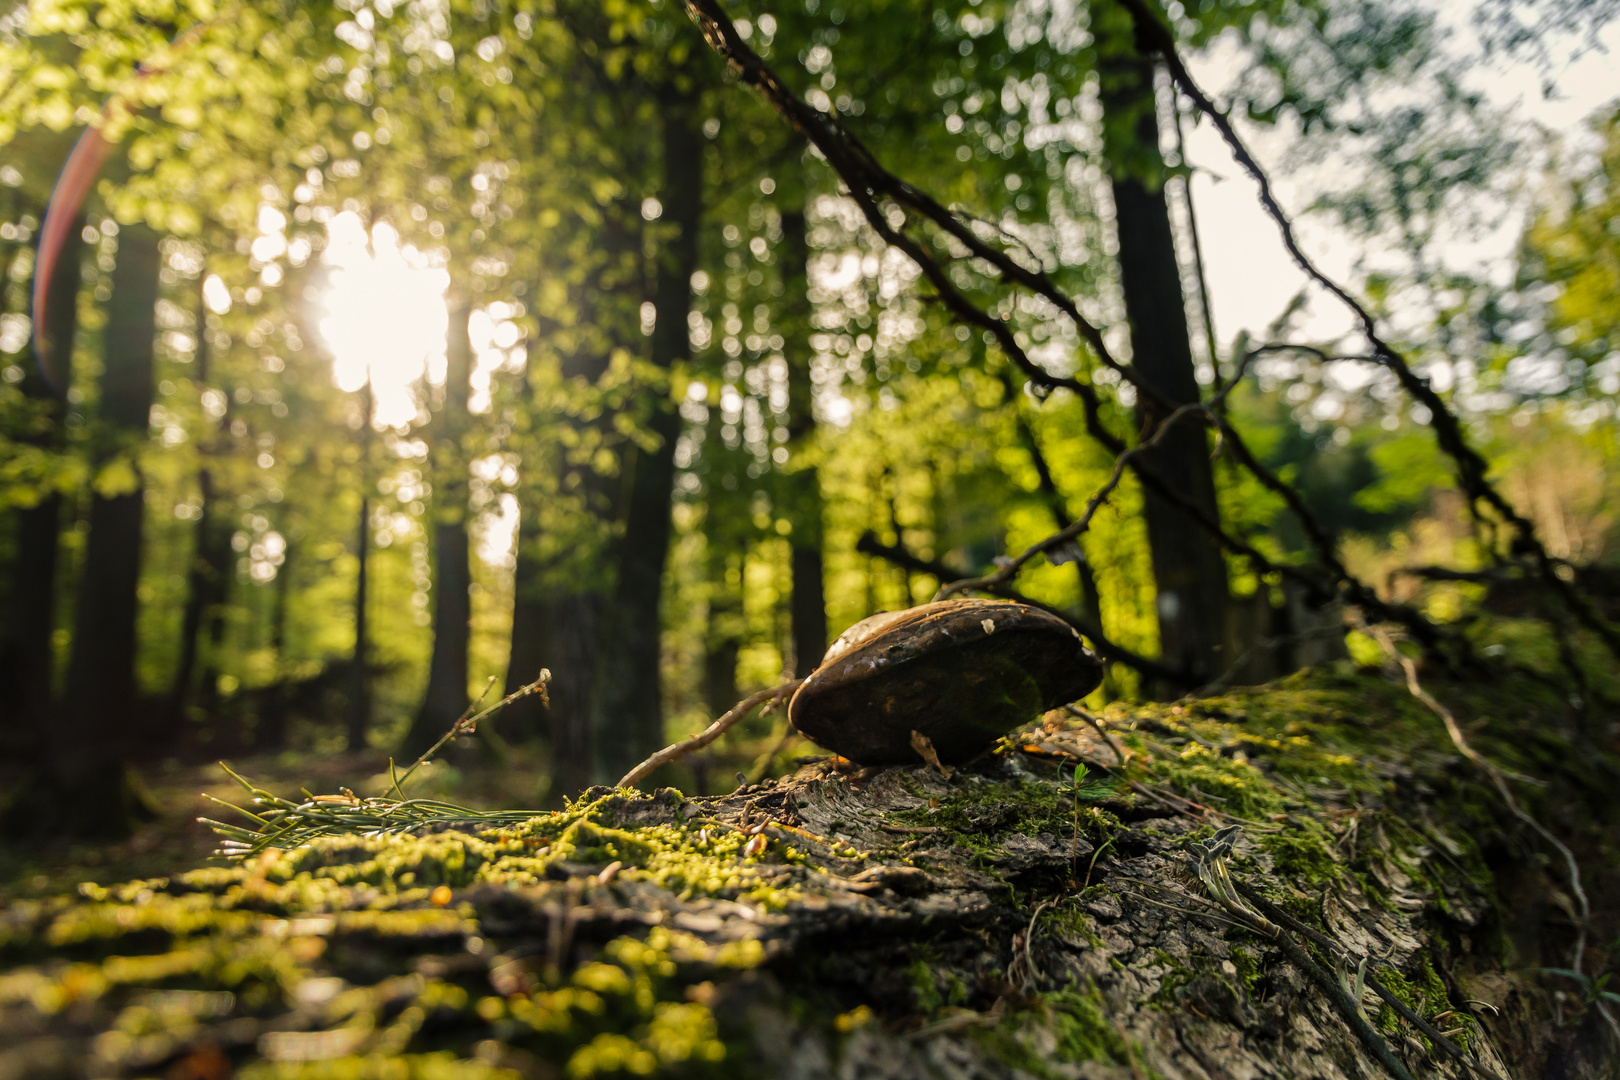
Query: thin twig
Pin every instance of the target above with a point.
(1010, 568)
(1334, 949)
(703, 738)
(467, 723)
(1096, 725)
(878, 193)
(1472, 468)
(1381, 635)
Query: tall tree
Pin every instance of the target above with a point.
(803, 484)
(27, 663)
(209, 573)
(561, 591)
(446, 695)
(359, 688)
(631, 704)
(1189, 569)
(98, 704)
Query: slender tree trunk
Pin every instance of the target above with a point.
(561, 587)
(630, 705)
(208, 579)
(1188, 568)
(272, 731)
(446, 696)
(90, 738)
(359, 675)
(27, 661)
(805, 507)
(526, 718)
(575, 622)
(724, 626)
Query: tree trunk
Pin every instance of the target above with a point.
(1188, 568)
(99, 701)
(528, 654)
(208, 580)
(630, 704)
(446, 696)
(999, 923)
(271, 734)
(559, 590)
(574, 621)
(803, 483)
(359, 703)
(27, 661)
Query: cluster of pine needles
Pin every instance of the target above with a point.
(278, 823)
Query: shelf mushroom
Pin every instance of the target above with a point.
(962, 673)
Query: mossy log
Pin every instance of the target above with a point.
(999, 921)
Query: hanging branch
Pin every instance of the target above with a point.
(869, 544)
(771, 698)
(1472, 468)
(869, 183)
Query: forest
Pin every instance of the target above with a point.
(515, 387)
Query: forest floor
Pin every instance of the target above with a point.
(172, 837)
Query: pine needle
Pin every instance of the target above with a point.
(283, 823)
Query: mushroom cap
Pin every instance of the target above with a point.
(961, 672)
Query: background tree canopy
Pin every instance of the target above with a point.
(399, 348)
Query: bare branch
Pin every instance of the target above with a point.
(774, 696)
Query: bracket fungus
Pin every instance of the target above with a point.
(962, 673)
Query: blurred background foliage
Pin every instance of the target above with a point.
(669, 311)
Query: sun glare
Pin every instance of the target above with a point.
(385, 315)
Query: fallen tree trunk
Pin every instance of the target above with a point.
(1303, 880)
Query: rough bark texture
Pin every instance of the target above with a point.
(895, 922)
(26, 658)
(1189, 570)
(630, 705)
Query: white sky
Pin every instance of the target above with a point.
(1252, 279)
(385, 315)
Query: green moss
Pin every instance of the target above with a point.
(1302, 853)
(1078, 1019)
(979, 813)
(1248, 967)
(925, 986)
(1424, 992)
(440, 1066)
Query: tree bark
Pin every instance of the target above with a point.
(98, 704)
(1394, 919)
(27, 660)
(630, 705)
(446, 696)
(1188, 567)
(803, 483)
